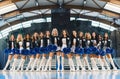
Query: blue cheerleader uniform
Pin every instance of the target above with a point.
(41, 46)
(106, 44)
(94, 42)
(100, 49)
(64, 44)
(88, 49)
(20, 48)
(55, 43)
(11, 47)
(27, 47)
(74, 44)
(81, 44)
(47, 45)
(35, 47)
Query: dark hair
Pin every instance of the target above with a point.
(65, 31)
(25, 37)
(72, 33)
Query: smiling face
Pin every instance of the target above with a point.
(19, 37)
(27, 36)
(41, 34)
(64, 33)
(93, 34)
(47, 33)
(81, 34)
(12, 37)
(55, 32)
(74, 33)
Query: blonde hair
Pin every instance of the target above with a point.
(12, 36)
(54, 29)
(87, 35)
(19, 37)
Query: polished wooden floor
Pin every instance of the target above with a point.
(61, 75)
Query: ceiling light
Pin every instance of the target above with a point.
(7, 8)
(112, 7)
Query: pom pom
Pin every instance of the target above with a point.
(66, 50)
(88, 50)
(109, 50)
(41, 50)
(36, 49)
(79, 51)
(17, 51)
(25, 52)
(7, 51)
(54, 48)
(32, 52)
(94, 50)
(102, 53)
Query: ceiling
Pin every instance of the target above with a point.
(105, 11)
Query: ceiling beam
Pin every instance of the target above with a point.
(6, 2)
(66, 6)
(49, 15)
(113, 1)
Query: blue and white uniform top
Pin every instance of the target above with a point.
(82, 42)
(74, 43)
(55, 41)
(107, 46)
(41, 42)
(64, 42)
(19, 47)
(11, 47)
(88, 43)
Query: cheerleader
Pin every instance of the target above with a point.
(47, 42)
(108, 49)
(80, 44)
(100, 52)
(93, 56)
(19, 46)
(10, 50)
(54, 47)
(87, 49)
(34, 50)
(39, 52)
(65, 44)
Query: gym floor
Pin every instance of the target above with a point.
(61, 75)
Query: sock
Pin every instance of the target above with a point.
(112, 63)
(14, 64)
(62, 63)
(94, 66)
(77, 58)
(35, 62)
(8, 62)
(86, 61)
(72, 64)
(48, 63)
(30, 63)
(21, 64)
(58, 62)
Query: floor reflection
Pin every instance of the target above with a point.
(61, 75)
